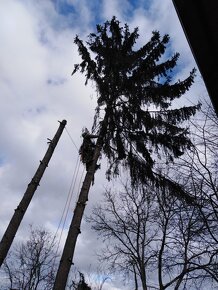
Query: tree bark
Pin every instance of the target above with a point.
(74, 230)
(18, 215)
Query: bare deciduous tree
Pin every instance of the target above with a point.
(156, 238)
(31, 264)
(199, 168)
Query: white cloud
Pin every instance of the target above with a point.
(117, 8)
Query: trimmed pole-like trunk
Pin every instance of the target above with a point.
(18, 215)
(74, 230)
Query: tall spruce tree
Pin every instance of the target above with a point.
(129, 81)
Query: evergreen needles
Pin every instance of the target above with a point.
(130, 82)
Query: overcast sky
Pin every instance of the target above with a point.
(37, 55)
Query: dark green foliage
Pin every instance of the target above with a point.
(130, 82)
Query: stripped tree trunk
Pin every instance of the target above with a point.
(14, 224)
(74, 230)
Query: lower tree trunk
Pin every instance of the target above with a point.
(135, 278)
(143, 278)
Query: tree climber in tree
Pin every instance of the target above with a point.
(87, 149)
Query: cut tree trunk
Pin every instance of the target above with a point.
(18, 215)
(74, 230)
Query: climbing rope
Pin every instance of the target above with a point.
(68, 202)
(71, 139)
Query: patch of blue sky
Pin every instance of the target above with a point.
(73, 11)
(64, 7)
(145, 4)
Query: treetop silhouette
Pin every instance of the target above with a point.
(135, 89)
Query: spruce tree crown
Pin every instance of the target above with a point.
(135, 89)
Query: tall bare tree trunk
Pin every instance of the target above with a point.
(74, 230)
(18, 215)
